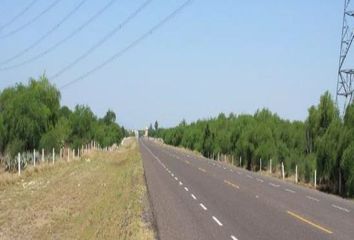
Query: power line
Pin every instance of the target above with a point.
(20, 14)
(55, 2)
(131, 45)
(116, 29)
(63, 40)
(47, 34)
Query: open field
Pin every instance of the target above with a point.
(100, 196)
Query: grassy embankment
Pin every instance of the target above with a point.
(100, 196)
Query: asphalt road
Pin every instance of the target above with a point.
(197, 198)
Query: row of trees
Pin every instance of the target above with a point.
(31, 118)
(325, 142)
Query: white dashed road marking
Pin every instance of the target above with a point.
(193, 197)
(340, 208)
(217, 221)
(186, 189)
(249, 176)
(274, 185)
(202, 205)
(233, 237)
(289, 190)
(313, 199)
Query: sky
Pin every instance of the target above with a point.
(214, 56)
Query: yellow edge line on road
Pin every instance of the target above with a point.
(309, 222)
(201, 169)
(231, 184)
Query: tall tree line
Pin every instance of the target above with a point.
(31, 117)
(323, 142)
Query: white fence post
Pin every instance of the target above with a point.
(270, 166)
(282, 170)
(315, 182)
(19, 163)
(240, 161)
(42, 155)
(296, 178)
(68, 154)
(34, 157)
(73, 153)
(260, 164)
(53, 155)
(78, 152)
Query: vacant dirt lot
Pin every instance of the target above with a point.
(100, 196)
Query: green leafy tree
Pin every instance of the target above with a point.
(29, 111)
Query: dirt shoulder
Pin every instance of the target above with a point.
(100, 196)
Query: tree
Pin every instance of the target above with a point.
(207, 141)
(82, 122)
(109, 118)
(156, 125)
(57, 136)
(31, 118)
(29, 111)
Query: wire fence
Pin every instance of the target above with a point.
(270, 167)
(38, 157)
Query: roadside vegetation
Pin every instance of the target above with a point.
(100, 196)
(323, 142)
(31, 117)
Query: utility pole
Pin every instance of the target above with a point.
(345, 73)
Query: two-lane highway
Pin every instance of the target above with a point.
(197, 198)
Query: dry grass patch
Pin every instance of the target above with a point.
(98, 197)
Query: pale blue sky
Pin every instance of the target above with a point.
(216, 56)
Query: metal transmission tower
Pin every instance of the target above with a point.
(346, 75)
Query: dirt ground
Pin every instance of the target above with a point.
(100, 196)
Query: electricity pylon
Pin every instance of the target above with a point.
(345, 74)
